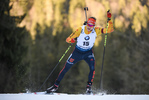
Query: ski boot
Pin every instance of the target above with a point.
(52, 89)
(89, 89)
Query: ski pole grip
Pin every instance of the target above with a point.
(86, 8)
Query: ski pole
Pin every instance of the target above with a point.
(105, 42)
(55, 67)
(86, 9)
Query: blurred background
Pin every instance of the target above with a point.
(32, 40)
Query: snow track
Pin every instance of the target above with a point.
(61, 96)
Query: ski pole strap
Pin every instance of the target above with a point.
(65, 53)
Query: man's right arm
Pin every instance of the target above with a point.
(74, 35)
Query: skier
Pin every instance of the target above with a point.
(86, 36)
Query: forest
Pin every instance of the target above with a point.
(33, 38)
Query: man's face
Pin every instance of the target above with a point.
(90, 26)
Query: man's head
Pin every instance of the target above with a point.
(91, 23)
(91, 20)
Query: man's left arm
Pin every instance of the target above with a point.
(103, 30)
(110, 28)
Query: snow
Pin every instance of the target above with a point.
(33, 96)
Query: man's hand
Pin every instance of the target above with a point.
(73, 40)
(109, 15)
(69, 40)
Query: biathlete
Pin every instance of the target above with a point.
(86, 36)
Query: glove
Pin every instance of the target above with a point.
(73, 40)
(109, 15)
(69, 40)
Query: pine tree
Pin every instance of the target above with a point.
(12, 50)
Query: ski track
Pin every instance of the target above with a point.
(61, 96)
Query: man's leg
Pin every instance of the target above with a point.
(73, 58)
(90, 60)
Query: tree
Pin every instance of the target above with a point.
(12, 50)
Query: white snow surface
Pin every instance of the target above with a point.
(34, 96)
